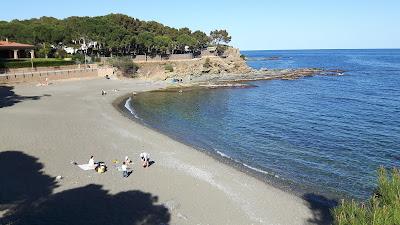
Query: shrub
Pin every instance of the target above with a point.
(22, 63)
(61, 53)
(243, 57)
(95, 59)
(169, 68)
(383, 207)
(221, 49)
(78, 58)
(207, 63)
(125, 65)
(44, 51)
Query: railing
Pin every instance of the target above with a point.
(49, 72)
(170, 57)
(43, 69)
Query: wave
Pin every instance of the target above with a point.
(258, 170)
(129, 107)
(223, 154)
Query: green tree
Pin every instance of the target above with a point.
(125, 65)
(163, 43)
(185, 40)
(383, 208)
(146, 41)
(45, 50)
(184, 30)
(220, 36)
(116, 34)
(202, 39)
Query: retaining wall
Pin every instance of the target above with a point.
(158, 58)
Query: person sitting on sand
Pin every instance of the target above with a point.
(145, 157)
(91, 161)
(124, 169)
(101, 168)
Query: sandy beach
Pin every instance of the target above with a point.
(44, 128)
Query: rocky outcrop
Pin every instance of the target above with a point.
(229, 63)
(229, 67)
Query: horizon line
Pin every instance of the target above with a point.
(311, 49)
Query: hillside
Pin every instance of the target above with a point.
(109, 35)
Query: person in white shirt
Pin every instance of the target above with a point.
(124, 169)
(91, 161)
(145, 157)
(127, 160)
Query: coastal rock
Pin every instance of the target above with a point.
(212, 66)
(213, 69)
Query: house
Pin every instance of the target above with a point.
(14, 50)
(70, 50)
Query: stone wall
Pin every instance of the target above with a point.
(103, 71)
(180, 56)
(139, 58)
(207, 53)
(158, 58)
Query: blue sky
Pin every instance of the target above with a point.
(253, 24)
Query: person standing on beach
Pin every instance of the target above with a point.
(124, 169)
(145, 157)
(127, 160)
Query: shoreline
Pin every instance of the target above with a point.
(327, 200)
(192, 186)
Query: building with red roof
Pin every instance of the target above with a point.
(9, 49)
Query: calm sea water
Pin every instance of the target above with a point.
(322, 134)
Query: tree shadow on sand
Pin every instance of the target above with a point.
(22, 179)
(9, 98)
(321, 208)
(26, 195)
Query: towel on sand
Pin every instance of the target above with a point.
(87, 166)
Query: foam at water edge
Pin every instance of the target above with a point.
(259, 170)
(245, 165)
(128, 107)
(223, 154)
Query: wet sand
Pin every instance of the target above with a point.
(44, 128)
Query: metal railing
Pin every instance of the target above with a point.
(49, 72)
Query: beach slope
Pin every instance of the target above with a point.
(43, 129)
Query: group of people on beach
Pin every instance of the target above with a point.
(100, 167)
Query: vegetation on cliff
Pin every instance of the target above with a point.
(124, 64)
(383, 208)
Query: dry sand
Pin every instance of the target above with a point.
(70, 120)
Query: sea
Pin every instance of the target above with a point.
(323, 134)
